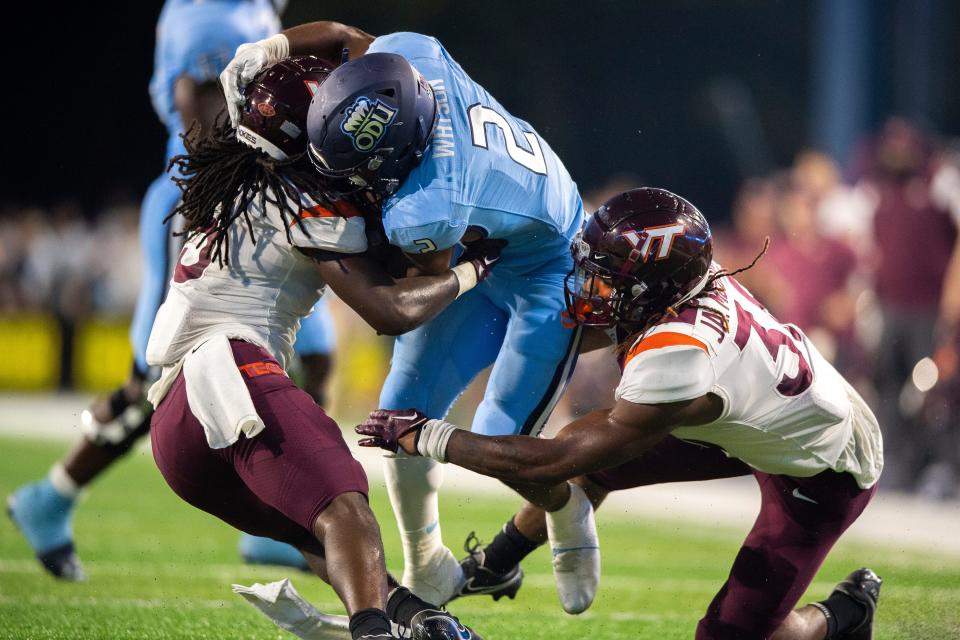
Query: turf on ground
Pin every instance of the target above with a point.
(160, 569)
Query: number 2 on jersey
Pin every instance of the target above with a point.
(480, 116)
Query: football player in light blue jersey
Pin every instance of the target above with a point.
(449, 165)
(195, 40)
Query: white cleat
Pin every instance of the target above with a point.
(435, 579)
(576, 552)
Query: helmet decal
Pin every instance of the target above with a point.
(664, 233)
(366, 122)
(643, 252)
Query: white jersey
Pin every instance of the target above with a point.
(264, 291)
(787, 411)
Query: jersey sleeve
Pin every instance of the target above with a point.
(666, 366)
(412, 46)
(422, 221)
(341, 230)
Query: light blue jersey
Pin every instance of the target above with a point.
(487, 169)
(196, 39)
(484, 168)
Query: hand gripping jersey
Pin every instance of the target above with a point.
(262, 294)
(787, 411)
(484, 168)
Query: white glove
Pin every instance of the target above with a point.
(249, 60)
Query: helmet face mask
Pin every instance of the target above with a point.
(642, 253)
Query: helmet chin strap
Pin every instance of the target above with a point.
(693, 292)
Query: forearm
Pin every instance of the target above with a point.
(513, 459)
(410, 302)
(327, 40)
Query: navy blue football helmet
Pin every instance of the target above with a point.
(370, 124)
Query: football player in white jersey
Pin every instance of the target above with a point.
(713, 386)
(232, 434)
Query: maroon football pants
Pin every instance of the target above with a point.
(274, 484)
(800, 520)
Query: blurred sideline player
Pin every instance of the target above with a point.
(713, 386)
(486, 174)
(232, 434)
(195, 40)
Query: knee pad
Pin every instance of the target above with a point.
(121, 434)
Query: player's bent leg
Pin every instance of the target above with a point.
(848, 612)
(430, 569)
(350, 536)
(314, 348)
(531, 371)
(800, 520)
(261, 550)
(431, 366)
(43, 510)
(269, 485)
(572, 532)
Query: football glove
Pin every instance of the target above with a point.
(249, 60)
(483, 255)
(385, 427)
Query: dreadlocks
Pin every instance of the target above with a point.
(222, 177)
(711, 284)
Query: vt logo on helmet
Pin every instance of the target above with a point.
(641, 253)
(366, 123)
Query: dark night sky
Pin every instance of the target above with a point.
(618, 87)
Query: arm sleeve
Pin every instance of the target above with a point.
(668, 374)
(423, 221)
(412, 46)
(317, 227)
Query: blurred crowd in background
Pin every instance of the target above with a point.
(860, 257)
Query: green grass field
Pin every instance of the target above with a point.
(160, 569)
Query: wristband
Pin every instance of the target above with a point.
(277, 47)
(432, 439)
(466, 277)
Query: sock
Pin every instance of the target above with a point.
(402, 605)
(842, 612)
(62, 483)
(412, 484)
(369, 622)
(507, 549)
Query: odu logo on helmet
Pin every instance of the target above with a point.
(366, 122)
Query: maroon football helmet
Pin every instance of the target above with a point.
(641, 253)
(276, 102)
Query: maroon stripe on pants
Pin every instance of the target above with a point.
(799, 522)
(274, 484)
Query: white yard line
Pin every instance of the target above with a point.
(893, 520)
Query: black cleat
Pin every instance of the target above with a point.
(431, 624)
(479, 581)
(863, 585)
(64, 563)
(61, 562)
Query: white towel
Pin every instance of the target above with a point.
(280, 602)
(217, 395)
